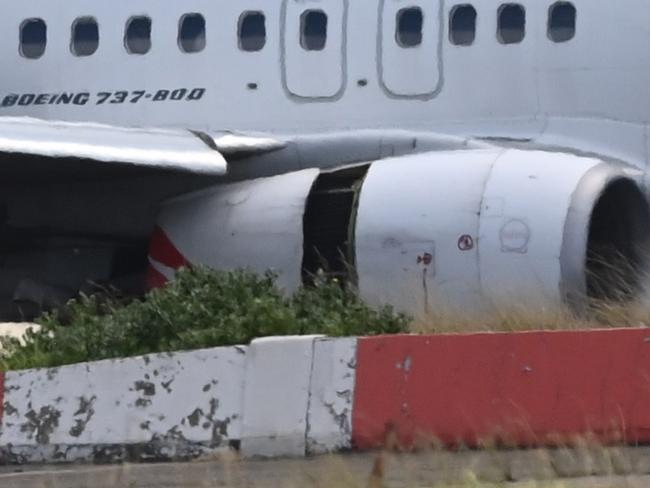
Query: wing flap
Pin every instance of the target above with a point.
(243, 145)
(167, 149)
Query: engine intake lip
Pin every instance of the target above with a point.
(604, 253)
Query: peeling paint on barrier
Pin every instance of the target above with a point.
(329, 414)
(298, 396)
(157, 406)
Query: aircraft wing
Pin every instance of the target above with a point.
(175, 150)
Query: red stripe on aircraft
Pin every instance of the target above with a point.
(529, 388)
(163, 250)
(154, 278)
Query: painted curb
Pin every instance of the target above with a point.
(277, 377)
(331, 395)
(296, 396)
(267, 399)
(152, 407)
(513, 389)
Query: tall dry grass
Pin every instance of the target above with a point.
(616, 295)
(588, 467)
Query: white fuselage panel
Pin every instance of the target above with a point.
(585, 89)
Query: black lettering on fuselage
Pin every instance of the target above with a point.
(81, 98)
(42, 99)
(64, 98)
(10, 100)
(26, 99)
(196, 94)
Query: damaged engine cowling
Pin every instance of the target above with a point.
(457, 231)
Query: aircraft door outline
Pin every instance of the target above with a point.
(314, 75)
(414, 72)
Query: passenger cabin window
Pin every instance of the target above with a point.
(252, 31)
(85, 36)
(191, 33)
(137, 38)
(33, 38)
(462, 25)
(511, 24)
(313, 30)
(561, 22)
(409, 27)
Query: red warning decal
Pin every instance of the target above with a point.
(163, 250)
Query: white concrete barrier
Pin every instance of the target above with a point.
(277, 396)
(280, 396)
(298, 396)
(158, 406)
(331, 394)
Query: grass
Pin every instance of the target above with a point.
(206, 308)
(618, 297)
(597, 468)
(522, 318)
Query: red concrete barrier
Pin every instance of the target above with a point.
(530, 388)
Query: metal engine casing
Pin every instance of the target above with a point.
(457, 231)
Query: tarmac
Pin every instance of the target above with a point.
(559, 468)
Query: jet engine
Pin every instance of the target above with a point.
(457, 231)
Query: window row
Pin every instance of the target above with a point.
(511, 24)
(191, 34)
(137, 35)
(511, 29)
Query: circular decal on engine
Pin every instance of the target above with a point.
(514, 236)
(465, 242)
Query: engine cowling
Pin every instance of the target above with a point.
(458, 231)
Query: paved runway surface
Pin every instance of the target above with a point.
(463, 470)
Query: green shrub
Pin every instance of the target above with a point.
(200, 308)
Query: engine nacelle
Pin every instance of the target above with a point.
(458, 231)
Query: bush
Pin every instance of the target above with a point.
(200, 308)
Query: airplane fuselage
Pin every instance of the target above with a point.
(590, 90)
